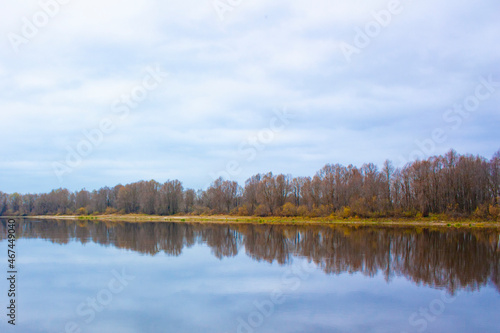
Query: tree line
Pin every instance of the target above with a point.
(452, 184)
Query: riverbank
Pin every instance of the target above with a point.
(430, 221)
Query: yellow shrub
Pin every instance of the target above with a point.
(289, 209)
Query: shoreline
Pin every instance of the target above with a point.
(223, 219)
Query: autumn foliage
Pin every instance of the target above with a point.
(451, 186)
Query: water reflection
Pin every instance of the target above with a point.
(447, 258)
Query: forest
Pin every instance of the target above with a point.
(449, 186)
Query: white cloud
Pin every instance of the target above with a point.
(226, 78)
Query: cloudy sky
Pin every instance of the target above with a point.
(96, 93)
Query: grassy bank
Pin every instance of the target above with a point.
(431, 221)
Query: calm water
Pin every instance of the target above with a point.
(165, 277)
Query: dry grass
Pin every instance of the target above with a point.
(273, 220)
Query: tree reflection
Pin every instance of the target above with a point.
(444, 258)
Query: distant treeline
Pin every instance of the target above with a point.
(453, 185)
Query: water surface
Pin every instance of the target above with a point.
(92, 276)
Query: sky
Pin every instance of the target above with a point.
(97, 93)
